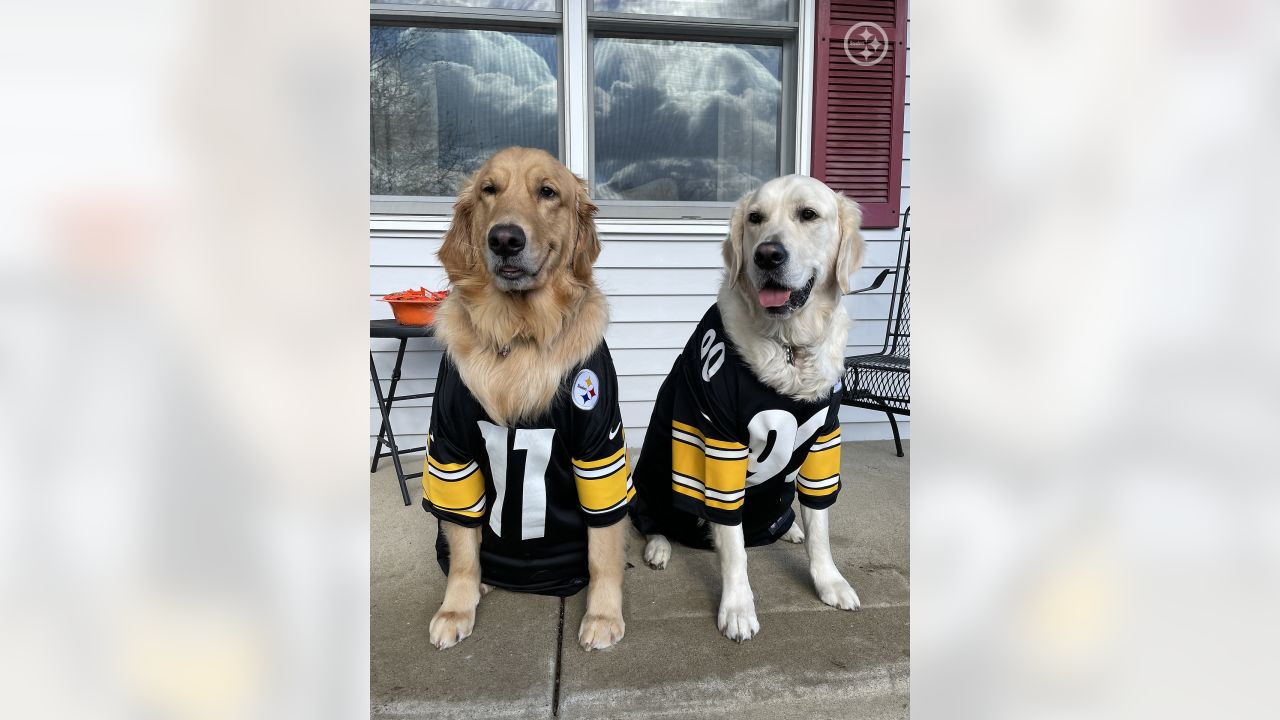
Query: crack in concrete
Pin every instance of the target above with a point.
(555, 689)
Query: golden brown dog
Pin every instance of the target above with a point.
(523, 312)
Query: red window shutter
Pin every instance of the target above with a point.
(858, 110)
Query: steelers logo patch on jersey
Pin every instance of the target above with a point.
(586, 390)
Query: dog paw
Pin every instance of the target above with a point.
(795, 534)
(450, 627)
(485, 589)
(598, 632)
(837, 593)
(657, 552)
(738, 621)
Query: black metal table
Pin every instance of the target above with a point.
(393, 329)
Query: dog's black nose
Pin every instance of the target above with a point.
(769, 255)
(506, 240)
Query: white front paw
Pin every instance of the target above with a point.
(737, 620)
(657, 552)
(795, 534)
(836, 592)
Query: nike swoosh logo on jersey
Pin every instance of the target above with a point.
(614, 432)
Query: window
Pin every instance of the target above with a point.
(441, 100)
(677, 106)
(685, 121)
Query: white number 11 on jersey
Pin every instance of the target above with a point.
(537, 446)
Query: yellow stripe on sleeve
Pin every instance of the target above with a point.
(603, 492)
(455, 496)
(445, 467)
(821, 464)
(726, 475)
(710, 442)
(709, 502)
(467, 513)
(592, 464)
(688, 491)
(688, 460)
(829, 436)
(819, 492)
(723, 505)
(716, 473)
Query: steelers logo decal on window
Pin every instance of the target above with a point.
(586, 390)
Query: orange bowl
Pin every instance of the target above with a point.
(411, 312)
(415, 307)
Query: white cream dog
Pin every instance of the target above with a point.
(752, 403)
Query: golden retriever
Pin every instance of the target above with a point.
(752, 405)
(524, 311)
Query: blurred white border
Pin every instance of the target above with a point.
(1094, 498)
(183, 509)
(183, 292)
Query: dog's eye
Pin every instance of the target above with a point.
(489, 189)
(547, 192)
(807, 214)
(755, 218)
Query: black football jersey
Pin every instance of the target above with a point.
(536, 487)
(724, 447)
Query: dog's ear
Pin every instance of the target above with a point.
(458, 253)
(586, 243)
(732, 247)
(851, 248)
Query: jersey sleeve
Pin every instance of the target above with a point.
(452, 484)
(708, 440)
(819, 480)
(601, 465)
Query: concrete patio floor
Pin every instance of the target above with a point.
(523, 660)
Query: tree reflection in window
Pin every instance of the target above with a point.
(443, 100)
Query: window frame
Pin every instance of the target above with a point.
(576, 28)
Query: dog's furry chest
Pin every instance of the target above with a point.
(516, 387)
(781, 357)
(522, 382)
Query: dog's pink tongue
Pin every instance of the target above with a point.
(774, 297)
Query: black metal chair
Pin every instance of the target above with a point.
(387, 436)
(882, 380)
